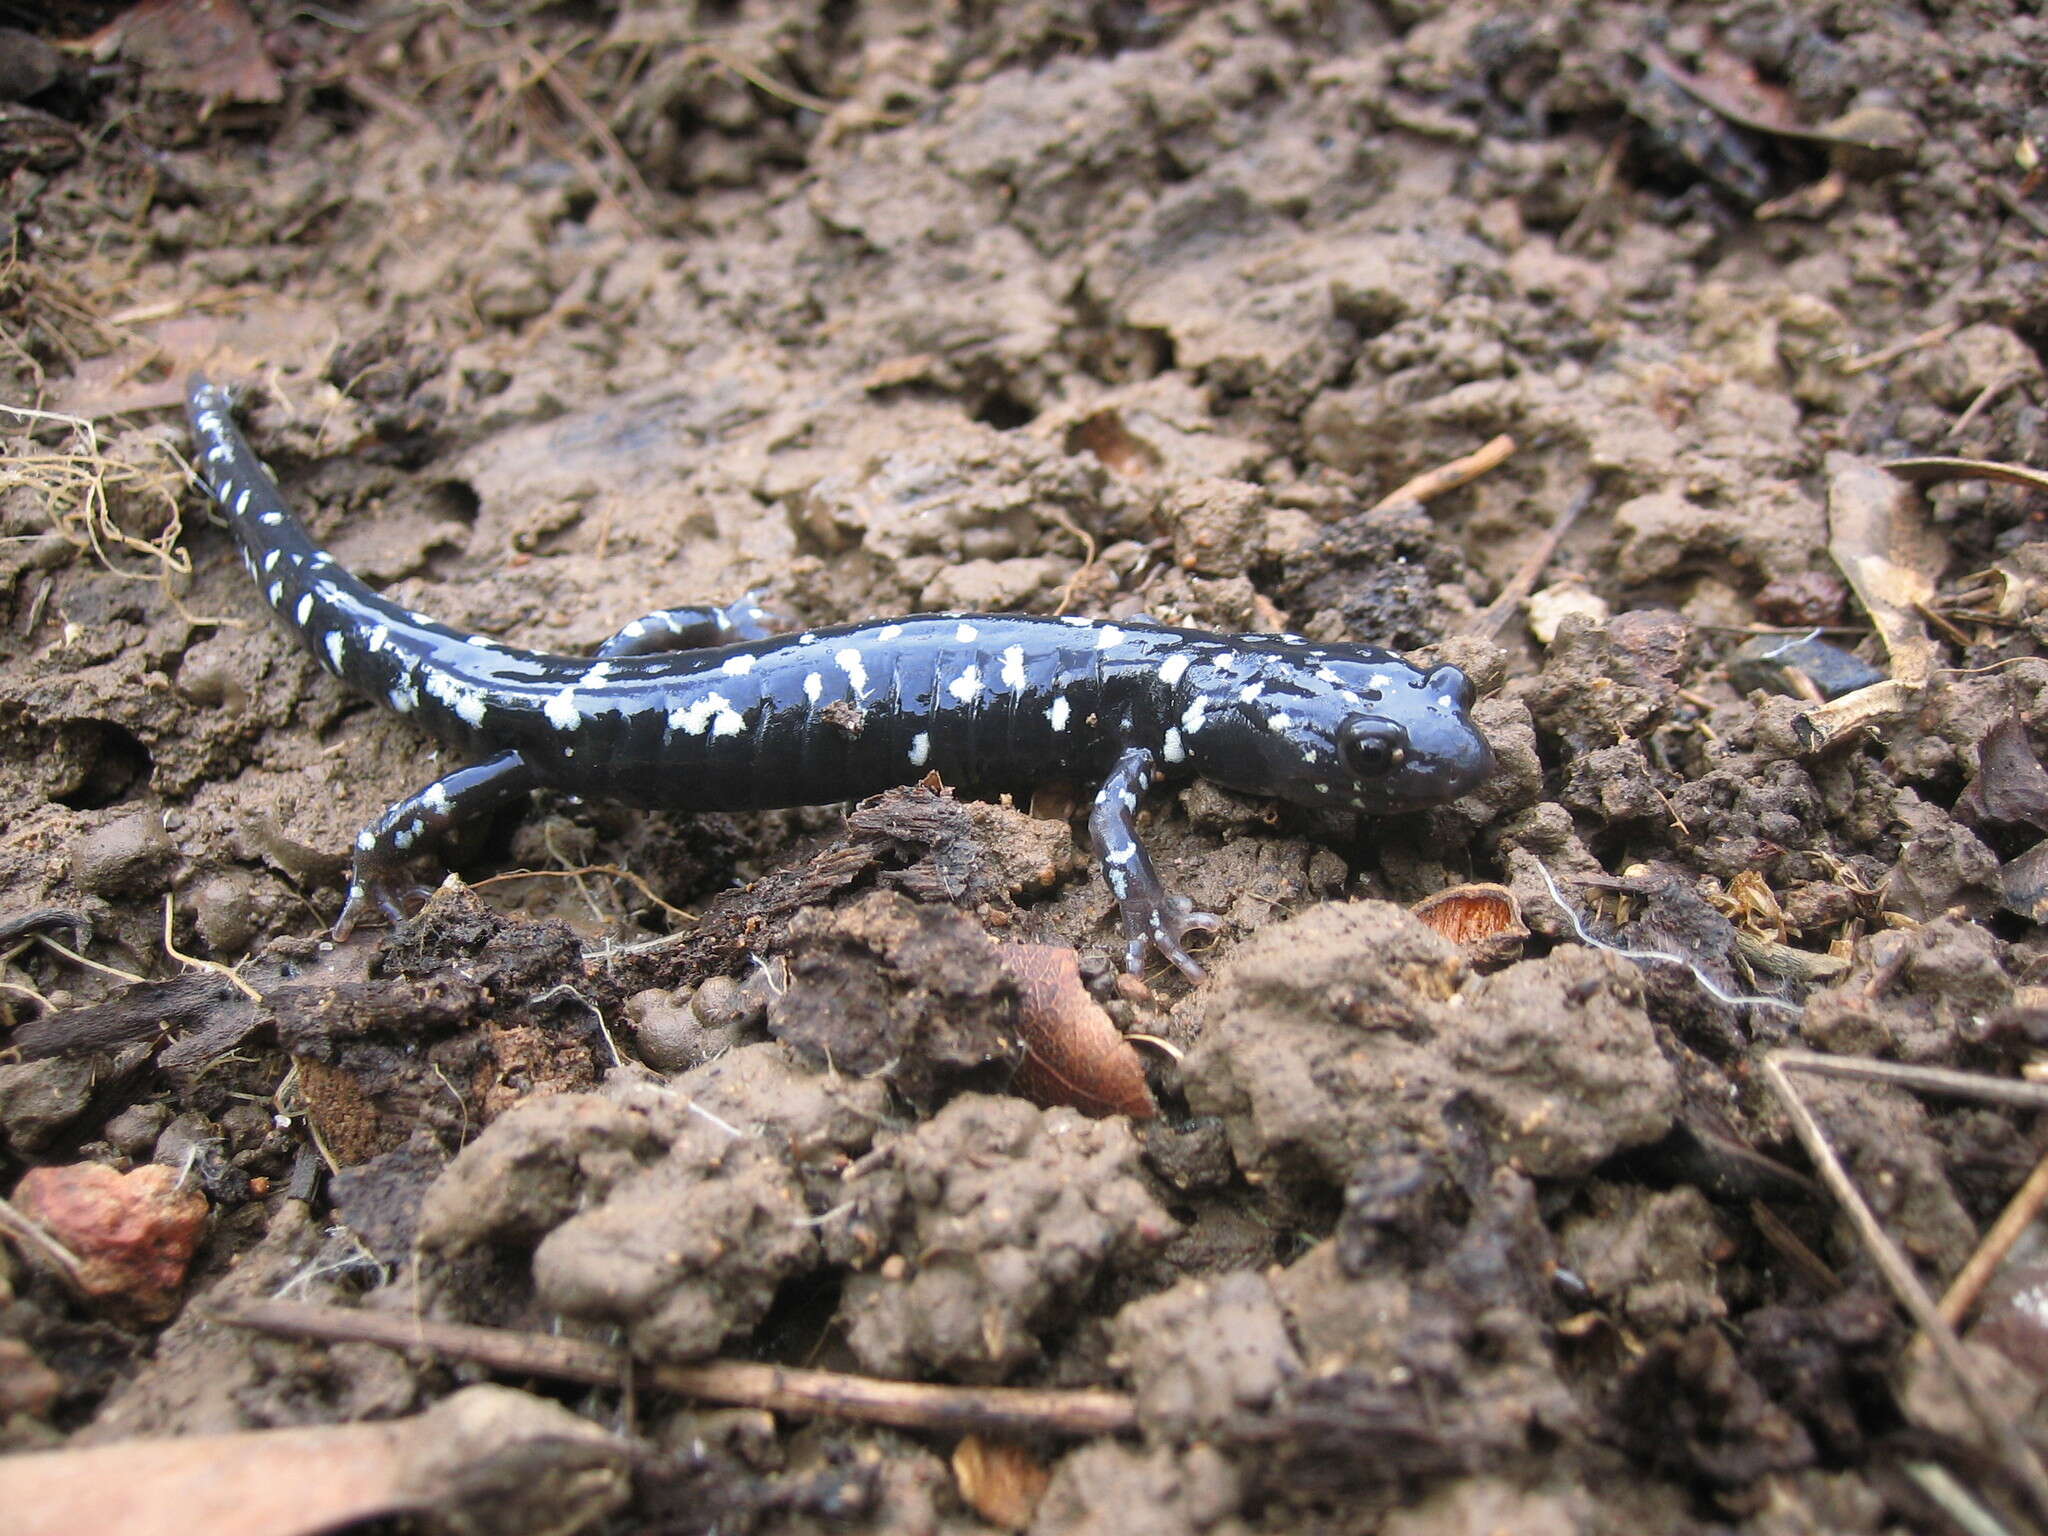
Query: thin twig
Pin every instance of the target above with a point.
(1491, 619)
(1927, 338)
(783, 1389)
(1944, 1081)
(1433, 483)
(41, 1248)
(577, 874)
(2017, 1216)
(91, 965)
(2013, 1450)
(193, 962)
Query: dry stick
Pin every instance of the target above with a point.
(1448, 477)
(784, 1389)
(1899, 349)
(2018, 1457)
(1936, 1080)
(2018, 1214)
(1490, 619)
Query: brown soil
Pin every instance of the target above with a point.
(552, 316)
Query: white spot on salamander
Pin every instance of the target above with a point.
(366, 840)
(1013, 668)
(920, 749)
(465, 699)
(814, 687)
(242, 503)
(1108, 638)
(1249, 693)
(966, 685)
(1058, 713)
(335, 642)
(305, 609)
(737, 666)
(966, 634)
(596, 676)
(271, 519)
(435, 798)
(270, 559)
(856, 673)
(1173, 669)
(888, 632)
(1196, 715)
(1171, 749)
(276, 593)
(714, 711)
(1280, 722)
(561, 711)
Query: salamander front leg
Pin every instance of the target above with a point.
(695, 627)
(1153, 918)
(388, 845)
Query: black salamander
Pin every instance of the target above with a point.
(710, 709)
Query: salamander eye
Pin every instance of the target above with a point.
(1452, 684)
(1372, 748)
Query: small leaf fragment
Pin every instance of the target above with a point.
(1073, 1052)
(1483, 920)
(1001, 1480)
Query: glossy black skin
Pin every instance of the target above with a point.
(750, 719)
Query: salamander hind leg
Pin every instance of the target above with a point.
(694, 628)
(1154, 919)
(388, 846)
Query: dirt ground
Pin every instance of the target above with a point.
(549, 316)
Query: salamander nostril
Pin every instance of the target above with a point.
(1372, 748)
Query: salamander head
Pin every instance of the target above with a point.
(1353, 728)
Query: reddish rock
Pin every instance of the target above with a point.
(133, 1234)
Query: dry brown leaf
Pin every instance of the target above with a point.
(1483, 920)
(1730, 86)
(1936, 470)
(1002, 1481)
(1073, 1052)
(1879, 535)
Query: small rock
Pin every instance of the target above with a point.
(1548, 608)
(39, 1098)
(134, 1131)
(1777, 663)
(127, 857)
(134, 1234)
(1809, 597)
(28, 65)
(670, 1036)
(723, 1004)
